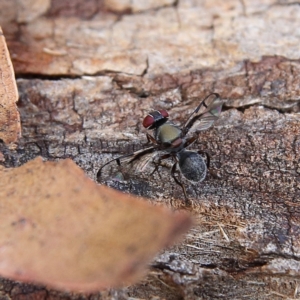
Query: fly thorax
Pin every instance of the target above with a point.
(167, 133)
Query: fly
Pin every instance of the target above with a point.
(170, 141)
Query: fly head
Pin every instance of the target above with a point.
(155, 118)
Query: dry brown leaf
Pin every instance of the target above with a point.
(10, 128)
(60, 229)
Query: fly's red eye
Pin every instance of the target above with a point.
(164, 113)
(148, 121)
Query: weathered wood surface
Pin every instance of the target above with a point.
(245, 243)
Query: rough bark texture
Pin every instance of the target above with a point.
(245, 243)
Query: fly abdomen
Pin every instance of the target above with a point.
(192, 165)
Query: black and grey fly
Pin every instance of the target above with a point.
(171, 141)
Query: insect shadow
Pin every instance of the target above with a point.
(170, 141)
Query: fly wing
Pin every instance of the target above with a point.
(139, 164)
(205, 114)
(126, 166)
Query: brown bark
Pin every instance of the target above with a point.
(245, 243)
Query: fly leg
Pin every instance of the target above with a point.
(190, 141)
(117, 160)
(212, 173)
(150, 139)
(158, 163)
(173, 171)
(206, 156)
(130, 158)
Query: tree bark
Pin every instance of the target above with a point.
(88, 72)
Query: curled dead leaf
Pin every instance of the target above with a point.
(61, 229)
(10, 128)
